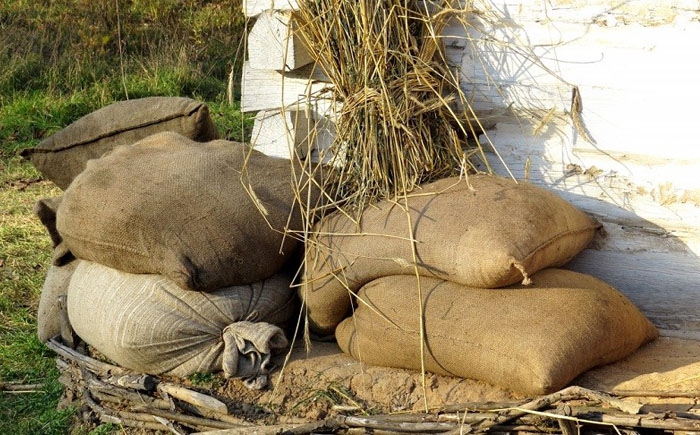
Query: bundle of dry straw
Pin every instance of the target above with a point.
(403, 118)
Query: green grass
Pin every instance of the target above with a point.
(24, 259)
(62, 59)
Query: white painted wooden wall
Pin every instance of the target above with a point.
(636, 64)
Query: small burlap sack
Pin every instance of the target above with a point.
(59, 274)
(170, 206)
(532, 340)
(55, 285)
(45, 209)
(63, 155)
(148, 324)
(484, 232)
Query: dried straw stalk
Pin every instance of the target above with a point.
(398, 124)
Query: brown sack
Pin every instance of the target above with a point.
(55, 285)
(484, 232)
(62, 156)
(532, 340)
(170, 206)
(148, 324)
(45, 209)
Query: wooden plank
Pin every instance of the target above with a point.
(663, 285)
(276, 133)
(629, 75)
(269, 89)
(252, 8)
(274, 44)
(264, 89)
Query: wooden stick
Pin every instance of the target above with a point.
(125, 397)
(193, 397)
(106, 417)
(170, 425)
(188, 420)
(380, 423)
(570, 393)
(478, 406)
(111, 374)
(99, 367)
(327, 426)
(568, 427)
(661, 394)
(141, 382)
(14, 388)
(207, 413)
(646, 422)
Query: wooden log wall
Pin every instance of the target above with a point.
(282, 85)
(638, 171)
(631, 158)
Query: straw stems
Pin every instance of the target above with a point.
(397, 125)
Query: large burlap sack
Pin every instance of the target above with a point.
(63, 155)
(483, 232)
(149, 324)
(170, 206)
(532, 340)
(55, 285)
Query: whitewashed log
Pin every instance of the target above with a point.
(274, 43)
(263, 89)
(631, 63)
(279, 133)
(252, 8)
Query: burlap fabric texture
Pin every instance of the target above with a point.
(483, 231)
(529, 339)
(170, 206)
(147, 323)
(55, 285)
(45, 209)
(63, 155)
(59, 274)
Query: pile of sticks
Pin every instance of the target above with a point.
(112, 394)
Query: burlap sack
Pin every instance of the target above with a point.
(45, 209)
(485, 232)
(532, 340)
(170, 206)
(63, 155)
(55, 285)
(149, 324)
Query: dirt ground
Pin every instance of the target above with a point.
(326, 381)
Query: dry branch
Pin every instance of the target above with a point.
(91, 364)
(193, 397)
(14, 388)
(110, 394)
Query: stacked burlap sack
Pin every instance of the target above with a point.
(473, 263)
(172, 252)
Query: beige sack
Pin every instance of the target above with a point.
(170, 206)
(148, 324)
(485, 232)
(532, 340)
(63, 155)
(55, 285)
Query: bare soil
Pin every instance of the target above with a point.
(325, 381)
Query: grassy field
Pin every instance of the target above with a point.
(61, 60)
